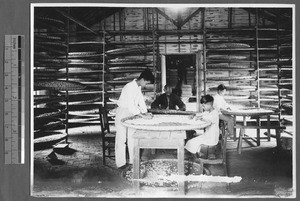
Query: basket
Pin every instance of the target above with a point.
(153, 170)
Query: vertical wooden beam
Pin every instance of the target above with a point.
(229, 18)
(198, 79)
(278, 67)
(204, 54)
(257, 56)
(154, 49)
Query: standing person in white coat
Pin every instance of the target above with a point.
(131, 102)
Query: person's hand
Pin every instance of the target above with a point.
(147, 115)
(199, 118)
(191, 116)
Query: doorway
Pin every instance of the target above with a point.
(179, 71)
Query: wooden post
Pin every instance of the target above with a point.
(198, 79)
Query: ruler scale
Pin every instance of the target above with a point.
(14, 92)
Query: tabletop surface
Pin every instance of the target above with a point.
(248, 112)
(164, 123)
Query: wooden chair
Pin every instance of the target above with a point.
(219, 150)
(108, 136)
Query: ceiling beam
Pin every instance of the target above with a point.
(68, 16)
(167, 17)
(190, 16)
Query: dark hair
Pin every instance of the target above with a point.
(147, 76)
(206, 99)
(221, 87)
(167, 85)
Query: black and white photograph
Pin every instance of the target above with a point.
(162, 100)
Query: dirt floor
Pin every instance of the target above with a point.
(79, 172)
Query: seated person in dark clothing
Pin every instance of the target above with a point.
(168, 100)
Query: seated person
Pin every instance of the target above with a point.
(210, 136)
(220, 104)
(168, 100)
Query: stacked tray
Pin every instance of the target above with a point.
(46, 142)
(129, 51)
(43, 99)
(41, 124)
(228, 57)
(49, 21)
(127, 61)
(59, 85)
(231, 78)
(78, 70)
(227, 45)
(127, 69)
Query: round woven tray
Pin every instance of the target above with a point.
(48, 141)
(61, 46)
(42, 99)
(85, 97)
(46, 37)
(47, 123)
(87, 108)
(87, 43)
(235, 88)
(127, 61)
(153, 171)
(77, 70)
(52, 21)
(249, 112)
(129, 51)
(127, 77)
(56, 51)
(175, 112)
(59, 85)
(84, 54)
(127, 68)
(40, 113)
(164, 123)
(231, 78)
(227, 45)
(227, 57)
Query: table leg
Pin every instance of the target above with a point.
(258, 132)
(242, 133)
(278, 141)
(234, 128)
(180, 156)
(136, 166)
(269, 124)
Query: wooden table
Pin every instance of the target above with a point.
(256, 113)
(164, 132)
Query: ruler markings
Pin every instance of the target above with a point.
(14, 99)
